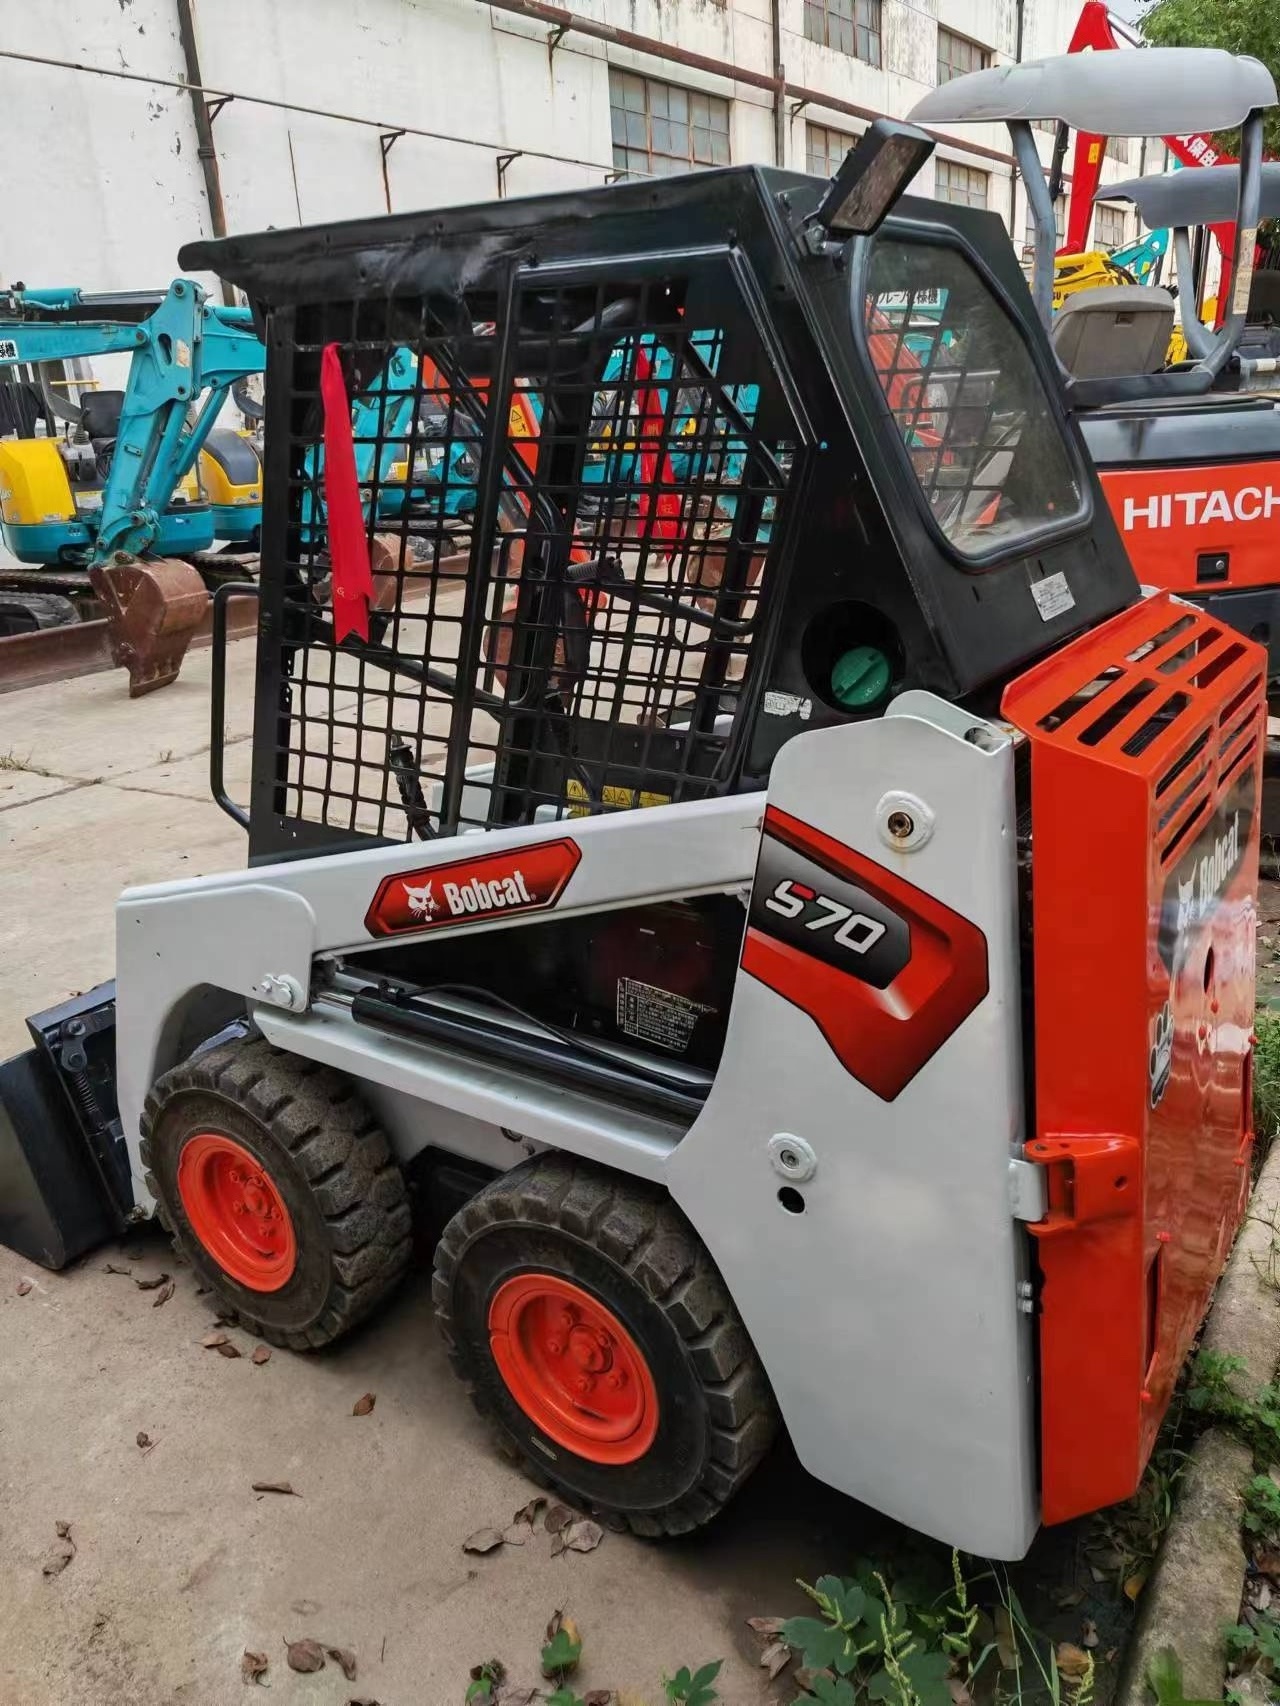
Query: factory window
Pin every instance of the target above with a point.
(659, 129)
(1108, 227)
(966, 186)
(957, 54)
(1118, 148)
(824, 149)
(850, 26)
(1059, 223)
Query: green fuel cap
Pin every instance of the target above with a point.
(860, 677)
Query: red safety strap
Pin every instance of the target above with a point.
(351, 575)
(655, 462)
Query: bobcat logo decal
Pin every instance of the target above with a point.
(422, 903)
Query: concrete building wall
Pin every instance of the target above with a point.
(110, 183)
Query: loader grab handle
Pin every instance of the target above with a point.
(218, 694)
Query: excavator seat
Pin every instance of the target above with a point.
(100, 413)
(1114, 329)
(1264, 297)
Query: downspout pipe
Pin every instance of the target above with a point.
(780, 138)
(205, 150)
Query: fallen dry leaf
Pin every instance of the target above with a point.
(211, 1341)
(24, 1286)
(275, 1487)
(1134, 1584)
(598, 1697)
(152, 1284)
(346, 1659)
(529, 1513)
(61, 1552)
(767, 1628)
(517, 1534)
(163, 1295)
(111, 1268)
(556, 1517)
(261, 1354)
(227, 1349)
(363, 1406)
(1073, 1661)
(1267, 1562)
(515, 1694)
(145, 1442)
(1006, 1641)
(304, 1655)
(482, 1541)
(252, 1666)
(581, 1535)
(1088, 1632)
(775, 1657)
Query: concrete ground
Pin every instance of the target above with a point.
(179, 1565)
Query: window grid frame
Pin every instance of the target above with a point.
(660, 112)
(958, 54)
(853, 27)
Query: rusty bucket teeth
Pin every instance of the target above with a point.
(153, 609)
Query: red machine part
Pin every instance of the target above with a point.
(1173, 518)
(883, 1021)
(236, 1212)
(1146, 741)
(468, 891)
(573, 1368)
(1094, 32)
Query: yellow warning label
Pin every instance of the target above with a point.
(621, 799)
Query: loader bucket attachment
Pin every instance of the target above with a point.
(153, 609)
(64, 1169)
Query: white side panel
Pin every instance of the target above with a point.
(887, 1313)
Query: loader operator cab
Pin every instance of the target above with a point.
(1189, 453)
(704, 894)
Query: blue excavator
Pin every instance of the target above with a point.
(116, 503)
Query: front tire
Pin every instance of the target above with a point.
(279, 1188)
(593, 1331)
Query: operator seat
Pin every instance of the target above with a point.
(1115, 329)
(100, 414)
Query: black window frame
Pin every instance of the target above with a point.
(1054, 532)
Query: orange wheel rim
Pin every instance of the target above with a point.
(573, 1368)
(236, 1211)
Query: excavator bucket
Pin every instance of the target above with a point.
(153, 609)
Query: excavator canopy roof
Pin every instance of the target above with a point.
(1206, 195)
(1110, 94)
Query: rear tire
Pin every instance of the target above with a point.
(341, 1212)
(650, 1284)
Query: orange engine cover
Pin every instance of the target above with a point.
(1173, 519)
(1146, 740)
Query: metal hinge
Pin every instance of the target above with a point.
(1028, 1190)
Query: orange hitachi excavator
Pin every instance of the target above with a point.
(1189, 453)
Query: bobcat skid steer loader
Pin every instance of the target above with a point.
(785, 914)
